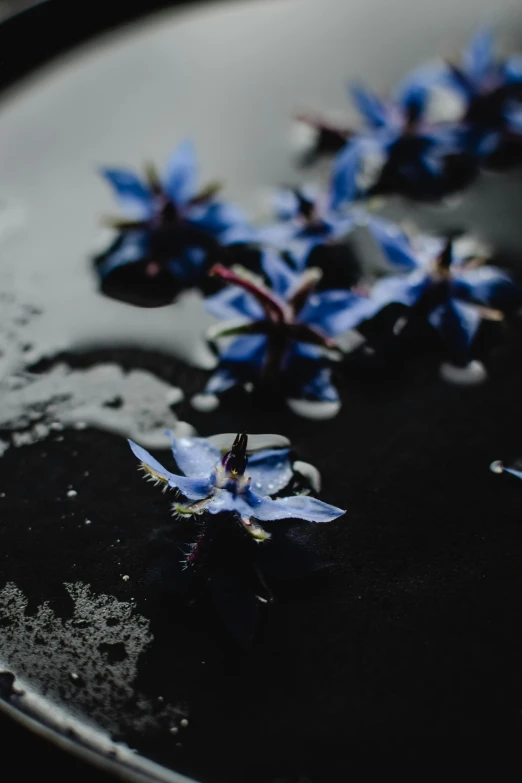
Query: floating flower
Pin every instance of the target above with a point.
(170, 225)
(234, 483)
(399, 151)
(306, 221)
(491, 90)
(285, 338)
(446, 284)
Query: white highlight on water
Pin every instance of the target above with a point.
(310, 409)
(472, 374)
(39, 404)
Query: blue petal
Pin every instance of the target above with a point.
(513, 472)
(394, 242)
(296, 507)
(457, 323)
(233, 302)
(192, 488)
(135, 198)
(196, 457)
(335, 311)
(278, 234)
(286, 204)
(478, 58)
(270, 470)
(402, 290)
(226, 501)
(221, 381)
(250, 349)
(513, 69)
(217, 217)
(513, 116)
(181, 173)
(133, 247)
(417, 85)
(347, 166)
(484, 284)
(320, 387)
(370, 106)
(278, 272)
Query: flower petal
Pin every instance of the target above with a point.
(218, 217)
(334, 312)
(419, 83)
(394, 243)
(270, 470)
(224, 501)
(196, 457)
(279, 273)
(457, 323)
(192, 488)
(286, 203)
(250, 348)
(220, 381)
(513, 69)
(320, 387)
(485, 284)
(135, 198)
(370, 106)
(130, 248)
(347, 166)
(477, 58)
(404, 290)
(181, 172)
(296, 507)
(232, 302)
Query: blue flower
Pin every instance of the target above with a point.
(286, 332)
(169, 223)
(306, 221)
(234, 483)
(444, 284)
(491, 90)
(398, 151)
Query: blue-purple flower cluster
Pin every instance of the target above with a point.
(438, 126)
(285, 312)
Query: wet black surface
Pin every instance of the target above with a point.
(413, 635)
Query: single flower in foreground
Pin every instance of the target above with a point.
(234, 483)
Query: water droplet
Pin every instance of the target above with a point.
(88, 522)
(125, 577)
(497, 466)
(72, 493)
(184, 723)
(173, 729)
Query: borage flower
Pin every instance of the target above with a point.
(491, 90)
(400, 151)
(285, 339)
(447, 285)
(217, 484)
(170, 226)
(305, 221)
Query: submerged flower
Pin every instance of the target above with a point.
(446, 284)
(234, 483)
(169, 224)
(286, 333)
